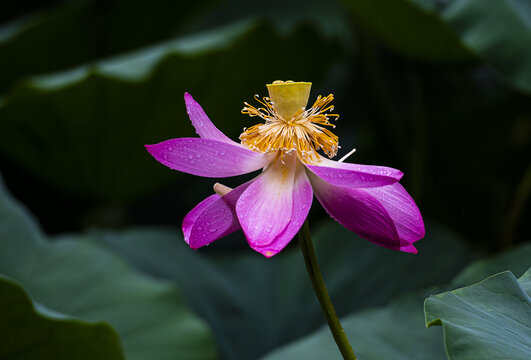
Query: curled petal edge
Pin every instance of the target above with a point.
(361, 212)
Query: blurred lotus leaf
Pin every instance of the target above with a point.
(83, 130)
(497, 32)
(516, 260)
(394, 331)
(255, 304)
(397, 330)
(29, 331)
(86, 281)
(74, 32)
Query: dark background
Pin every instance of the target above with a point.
(438, 89)
(411, 95)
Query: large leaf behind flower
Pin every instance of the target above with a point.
(30, 331)
(84, 280)
(394, 331)
(255, 304)
(397, 331)
(495, 31)
(516, 260)
(75, 32)
(83, 130)
(489, 320)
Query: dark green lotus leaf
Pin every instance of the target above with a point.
(235, 292)
(515, 260)
(86, 281)
(496, 31)
(75, 32)
(488, 320)
(413, 28)
(395, 331)
(499, 32)
(84, 129)
(30, 331)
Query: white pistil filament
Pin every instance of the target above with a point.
(346, 156)
(305, 132)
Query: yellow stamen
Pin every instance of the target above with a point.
(288, 125)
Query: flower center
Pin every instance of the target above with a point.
(288, 125)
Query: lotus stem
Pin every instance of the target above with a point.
(319, 287)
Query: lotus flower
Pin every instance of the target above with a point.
(271, 208)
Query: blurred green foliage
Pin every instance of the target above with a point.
(438, 89)
(76, 277)
(31, 331)
(395, 331)
(476, 315)
(255, 304)
(103, 108)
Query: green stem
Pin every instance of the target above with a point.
(322, 294)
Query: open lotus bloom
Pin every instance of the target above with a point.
(271, 208)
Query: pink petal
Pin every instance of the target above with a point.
(205, 157)
(354, 175)
(202, 124)
(265, 208)
(217, 220)
(302, 201)
(409, 249)
(402, 209)
(360, 212)
(191, 217)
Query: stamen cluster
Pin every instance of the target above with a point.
(304, 132)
